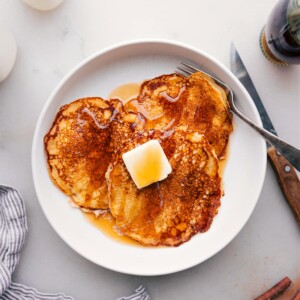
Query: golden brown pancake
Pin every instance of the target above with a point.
(169, 212)
(207, 112)
(196, 101)
(80, 145)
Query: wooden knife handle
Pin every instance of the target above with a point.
(288, 180)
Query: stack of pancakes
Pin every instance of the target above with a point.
(191, 120)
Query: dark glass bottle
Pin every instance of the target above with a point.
(280, 39)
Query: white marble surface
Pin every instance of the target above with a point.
(50, 44)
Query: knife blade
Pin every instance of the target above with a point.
(238, 68)
(286, 174)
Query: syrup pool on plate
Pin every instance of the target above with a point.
(126, 91)
(106, 224)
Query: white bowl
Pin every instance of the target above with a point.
(243, 178)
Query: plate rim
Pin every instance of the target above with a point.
(101, 52)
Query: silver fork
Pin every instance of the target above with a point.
(291, 153)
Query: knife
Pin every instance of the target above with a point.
(286, 174)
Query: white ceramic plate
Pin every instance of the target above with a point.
(243, 179)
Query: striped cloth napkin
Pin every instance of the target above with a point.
(13, 229)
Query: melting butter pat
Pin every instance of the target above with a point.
(147, 164)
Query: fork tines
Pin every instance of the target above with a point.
(187, 69)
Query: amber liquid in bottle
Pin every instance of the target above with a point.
(280, 40)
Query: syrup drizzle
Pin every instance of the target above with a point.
(171, 99)
(92, 115)
(141, 109)
(114, 113)
(170, 125)
(167, 133)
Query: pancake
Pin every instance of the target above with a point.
(196, 101)
(169, 212)
(80, 145)
(207, 111)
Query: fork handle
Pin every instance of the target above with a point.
(291, 153)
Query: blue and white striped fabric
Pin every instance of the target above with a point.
(13, 229)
